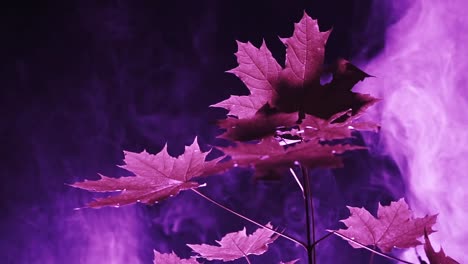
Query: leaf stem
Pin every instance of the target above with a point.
(370, 249)
(248, 219)
(248, 260)
(297, 181)
(309, 210)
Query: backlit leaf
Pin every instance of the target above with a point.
(394, 226)
(237, 245)
(156, 177)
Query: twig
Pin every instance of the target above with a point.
(322, 238)
(370, 249)
(297, 180)
(248, 219)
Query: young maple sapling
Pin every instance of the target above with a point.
(289, 121)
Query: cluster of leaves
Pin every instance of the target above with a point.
(285, 105)
(290, 117)
(290, 104)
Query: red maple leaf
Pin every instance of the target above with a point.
(237, 245)
(436, 257)
(260, 72)
(305, 51)
(269, 157)
(156, 177)
(296, 88)
(171, 258)
(393, 227)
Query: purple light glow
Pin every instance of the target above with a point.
(112, 237)
(422, 79)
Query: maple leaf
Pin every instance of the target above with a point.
(260, 72)
(393, 227)
(296, 89)
(436, 257)
(269, 157)
(171, 258)
(156, 177)
(237, 245)
(305, 51)
(317, 128)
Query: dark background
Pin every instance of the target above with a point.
(82, 81)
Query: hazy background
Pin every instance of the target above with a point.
(82, 81)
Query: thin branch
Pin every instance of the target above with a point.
(370, 249)
(322, 238)
(298, 181)
(248, 219)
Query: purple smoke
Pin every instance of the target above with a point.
(422, 78)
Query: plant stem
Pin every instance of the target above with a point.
(248, 219)
(310, 217)
(247, 258)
